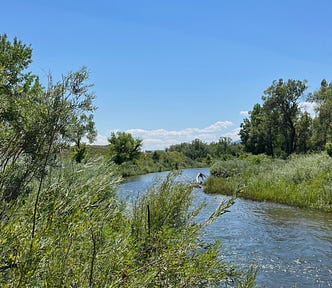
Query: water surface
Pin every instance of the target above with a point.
(292, 247)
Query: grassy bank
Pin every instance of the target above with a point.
(301, 181)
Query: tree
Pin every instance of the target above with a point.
(322, 125)
(37, 122)
(304, 133)
(282, 98)
(253, 133)
(197, 149)
(124, 147)
(271, 128)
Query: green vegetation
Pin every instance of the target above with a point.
(37, 122)
(61, 222)
(84, 238)
(167, 237)
(126, 151)
(328, 148)
(124, 147)
(280, 128)
(301, 180)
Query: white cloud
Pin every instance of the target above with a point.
(216, 127)
(308, 107)
(159, 139)
(234, 134)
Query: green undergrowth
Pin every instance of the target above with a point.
(301, 181)
(83, 236)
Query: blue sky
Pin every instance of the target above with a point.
(172, 71)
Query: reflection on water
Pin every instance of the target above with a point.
(292, 247)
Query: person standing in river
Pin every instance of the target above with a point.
(199, 178)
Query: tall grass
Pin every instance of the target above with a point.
(302, 180)
(85, 238)
(169, 246)
(71, 245)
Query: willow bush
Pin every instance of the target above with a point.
(83, 237)
(77, 216)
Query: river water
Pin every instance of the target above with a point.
(291, 247)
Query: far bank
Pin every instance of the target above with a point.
(302, 180)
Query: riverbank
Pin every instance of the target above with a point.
(302, 181)
(147, 162)
(251, 228)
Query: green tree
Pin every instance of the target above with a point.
(221, 147)
(328, 148)
(304, 133)
(271, 128)
(196, 150)
(282, 97)
(124, 147)
(37, 122)
(258, 132)
(322, 125)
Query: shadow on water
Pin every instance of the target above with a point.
(292, 247)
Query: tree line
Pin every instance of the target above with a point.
(279, 127)
(126, 151)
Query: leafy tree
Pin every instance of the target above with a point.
(304, 133)
(18, 129)
(282, 98)
(253, 133)
(195, 150)
(221, 147)
(199, 149)
(322, 125)
(172, 159)
(79, 153)
(272, 127)
(328, 148)
(36, 122)
(124, 147)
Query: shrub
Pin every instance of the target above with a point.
(77, 224)
(328, 148)
(84, 238)
(168, 242)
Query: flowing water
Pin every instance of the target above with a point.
(291, 247)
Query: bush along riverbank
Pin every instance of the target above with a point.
(82, 235)
(302, 180)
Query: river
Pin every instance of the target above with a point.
(291, 247)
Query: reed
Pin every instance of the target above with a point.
(301, 181)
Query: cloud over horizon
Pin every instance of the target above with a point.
(159, 139)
